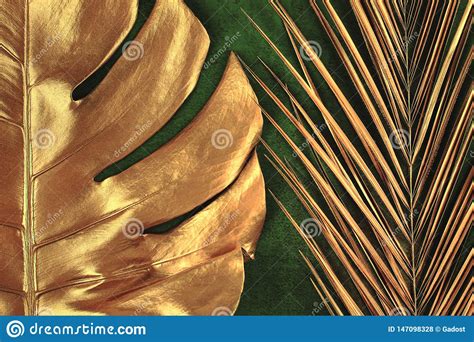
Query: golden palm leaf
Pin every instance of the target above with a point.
(394, 199)
(73, 245)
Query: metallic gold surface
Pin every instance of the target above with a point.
(394, 206)
(70, 245)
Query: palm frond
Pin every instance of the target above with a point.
(394, 199)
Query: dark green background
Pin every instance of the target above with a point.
(278, 281)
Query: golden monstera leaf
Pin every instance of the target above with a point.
(72, 245)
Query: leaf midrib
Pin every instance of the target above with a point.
(29, 240)
(410, 162)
